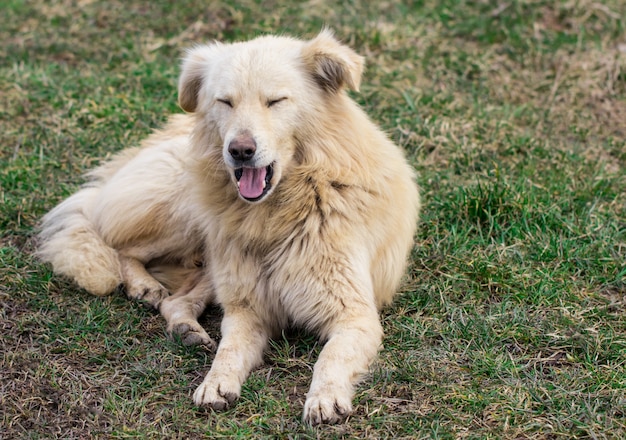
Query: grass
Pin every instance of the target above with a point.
(512, 321)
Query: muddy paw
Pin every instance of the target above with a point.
(192, 333)
(326, 409)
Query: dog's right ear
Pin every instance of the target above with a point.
(195, 66)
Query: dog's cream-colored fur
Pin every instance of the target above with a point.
(323, 246)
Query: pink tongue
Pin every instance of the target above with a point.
(251, 182)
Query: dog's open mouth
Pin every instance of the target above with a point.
(254, 183)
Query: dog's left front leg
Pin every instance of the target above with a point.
(244, 339)
(353, 342)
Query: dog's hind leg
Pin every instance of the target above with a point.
(139, 284)
(181, 310)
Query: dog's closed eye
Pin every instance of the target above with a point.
(225, 101)
(273, 102)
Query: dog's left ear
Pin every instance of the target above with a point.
(332, 64)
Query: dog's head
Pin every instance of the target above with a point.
(260, 95)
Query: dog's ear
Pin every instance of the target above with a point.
(195, 66)
(332, 64)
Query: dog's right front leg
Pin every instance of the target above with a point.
(244, 339)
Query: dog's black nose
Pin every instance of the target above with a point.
(242, 148)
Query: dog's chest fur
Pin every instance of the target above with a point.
(286, 253)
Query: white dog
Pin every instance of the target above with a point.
(275, 197)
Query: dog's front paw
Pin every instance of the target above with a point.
(192, 333)
(326, 408)
(217, 393)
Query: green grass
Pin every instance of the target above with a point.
(512, 320)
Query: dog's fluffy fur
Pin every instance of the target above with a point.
(274, 196)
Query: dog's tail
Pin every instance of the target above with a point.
(70, 242)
